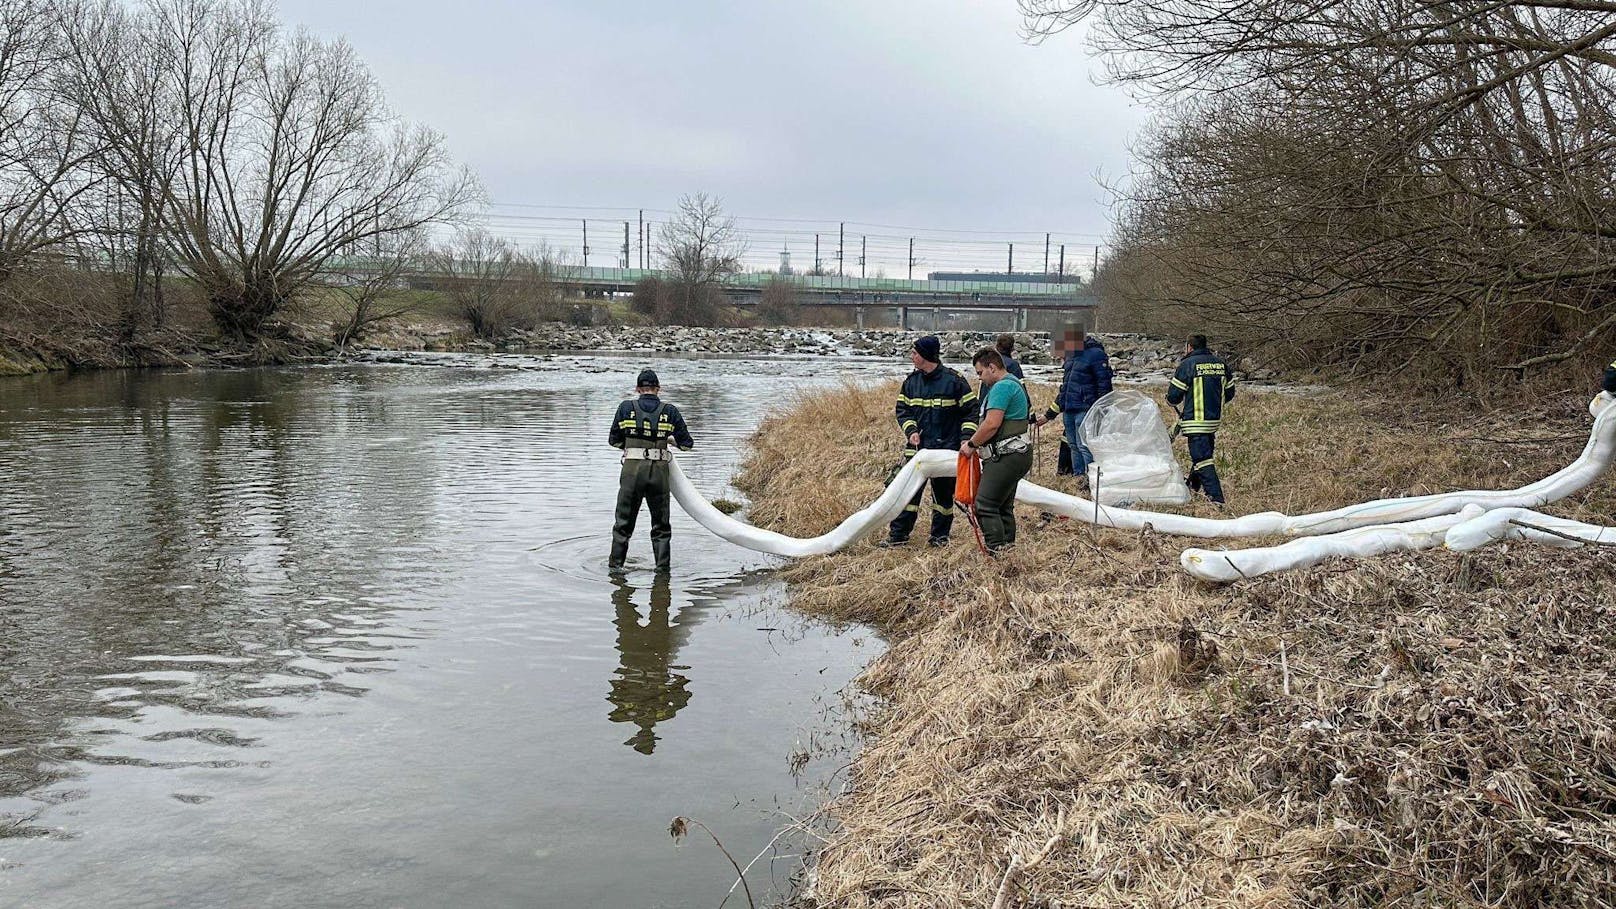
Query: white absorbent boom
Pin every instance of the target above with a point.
(1382, 525)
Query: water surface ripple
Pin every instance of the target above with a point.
(343, 636)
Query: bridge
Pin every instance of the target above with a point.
(1016, 295)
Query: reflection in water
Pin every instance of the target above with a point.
(648, 687)
(250, 618)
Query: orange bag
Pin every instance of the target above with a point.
(967, 476)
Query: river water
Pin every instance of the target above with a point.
(343, 636)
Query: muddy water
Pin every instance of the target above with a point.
(344, 637)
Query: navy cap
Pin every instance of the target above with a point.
(929, 348)
(647, 379)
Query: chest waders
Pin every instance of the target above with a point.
(644, 478)
(1007, 459)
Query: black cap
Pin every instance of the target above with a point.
(647, 379)
(929, 348)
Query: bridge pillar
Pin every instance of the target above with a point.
(858, 313)
(936, 318)
(1020, 319)
(903, 317)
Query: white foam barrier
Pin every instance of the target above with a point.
(923, 466)
(1224, 565)
(1471, 528)
(1525, 524)
(1595, 459)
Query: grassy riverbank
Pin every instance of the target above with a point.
(87, 331)
(1418, 729)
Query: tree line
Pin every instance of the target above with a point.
(200, 139)
(1379, 184)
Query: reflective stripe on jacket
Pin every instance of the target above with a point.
(939, 405)
(648, 423)
(1202, 384)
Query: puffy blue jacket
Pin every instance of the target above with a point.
(1085, 377)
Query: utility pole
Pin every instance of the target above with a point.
(1046, 254)
(625, 245)
(586, 242)
(1096, 271)
(641, 235)
(1011, 269)
(864, 249)
(911, 258)
(1063, 260)
(817, 269)
(841, 243)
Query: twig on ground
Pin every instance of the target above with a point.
(1563, 536)
(1018, 867)
(1285, 667)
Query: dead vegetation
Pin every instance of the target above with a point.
(1418, 730)
(1412, 190)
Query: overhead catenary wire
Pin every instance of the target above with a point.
(884, 250)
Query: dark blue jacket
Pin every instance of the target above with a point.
(1085, 378)
(1202, 384)
(1610, 378)
(1012, 366)
(649, 423)
(939, 405)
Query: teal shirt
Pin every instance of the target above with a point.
(1008, 395)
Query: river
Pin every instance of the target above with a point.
(343, 636)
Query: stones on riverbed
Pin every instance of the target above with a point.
(1133, 356)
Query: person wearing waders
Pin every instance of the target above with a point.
(935, 407)
(642, 428)
(1200, 387)
(1005, 446)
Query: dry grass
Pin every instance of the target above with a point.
(1419, 730)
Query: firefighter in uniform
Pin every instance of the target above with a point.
(1201, 386)
(936, 410)
(642, 428)
(1610, 378)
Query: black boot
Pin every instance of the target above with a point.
(663, 548)
(619, 553)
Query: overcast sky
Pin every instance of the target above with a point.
(917, 113)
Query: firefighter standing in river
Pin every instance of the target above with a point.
(642, 428)
(936, 410)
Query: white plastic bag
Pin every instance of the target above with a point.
(1133, 455)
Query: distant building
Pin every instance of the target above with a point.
(785, 262)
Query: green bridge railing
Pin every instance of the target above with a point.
(831, 283)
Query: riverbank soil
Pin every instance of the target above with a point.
(1420, 729)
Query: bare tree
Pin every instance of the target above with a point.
(778, 305)
(1377, 182)
(289, 158)
(700, 247)
(114, 72)
(479, 272)
(369, 280)
(42, 143)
